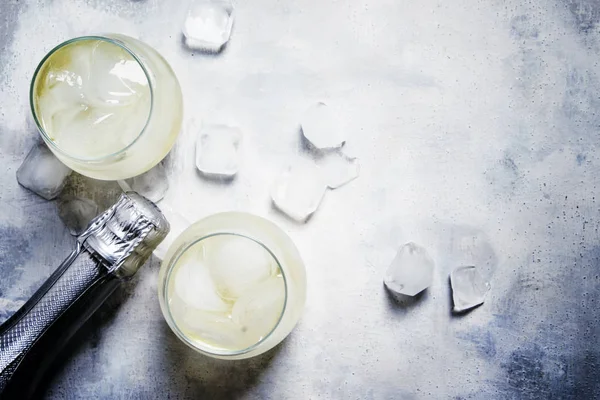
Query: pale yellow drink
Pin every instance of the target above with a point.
(109, 107)
(232, 285)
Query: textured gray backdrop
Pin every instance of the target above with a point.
(477, 126)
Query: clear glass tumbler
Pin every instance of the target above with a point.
(209, 262)
(109, 107)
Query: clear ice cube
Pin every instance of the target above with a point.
(259, 309)
(178, 224)
(321, 128)
(339, 169)
(152, 184)
(76, 213)
(298, 191)
(214, 328)
(194, 284)
(42, 173)
(468, 288)
(208, 25)
(218, 151)
(236, 264)
(411, 271)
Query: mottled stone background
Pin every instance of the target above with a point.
(477, 126)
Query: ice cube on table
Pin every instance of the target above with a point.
(43, 173)
(76, 213)
(298, 191)
(339, 169)
(468, 288)
(236, 264)
(177, 222)
(218, 151)
(321, 127)
(208, 25)
(152, 184)
(259, 309)
(124, 184)
(411, 271)
(194, 284)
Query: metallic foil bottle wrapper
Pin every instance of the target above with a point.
(113, 247)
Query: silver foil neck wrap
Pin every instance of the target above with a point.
(125, 235)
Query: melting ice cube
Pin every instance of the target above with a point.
(236, 264)
(259, 309)
(208, 25)
(339, 169)
(178, 224)
(321, 128)
(194, 285)
(42, 173)
(152, 184)
(411, 271)
(214, 328)
(76, 213)
(468, 288)
(299, 191)
(218, 150)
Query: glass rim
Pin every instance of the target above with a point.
(51, 143)
(171, 321)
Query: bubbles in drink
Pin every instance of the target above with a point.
(226, 291)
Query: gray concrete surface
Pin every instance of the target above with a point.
(476, 123)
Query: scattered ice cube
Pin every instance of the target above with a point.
(194, 285)
(468, 288)
(237, 263)
(411, 271)
(152, 184)
(259, 309)
(76, 213)
(208, 25)
(339, 169)
(299, 190)
(218, 150)
(42, 173)
(321, 128)
(178, 224)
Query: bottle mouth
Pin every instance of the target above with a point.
(200, 345)
(32, 102)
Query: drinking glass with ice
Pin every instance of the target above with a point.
(109, 107)
(232, 286)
